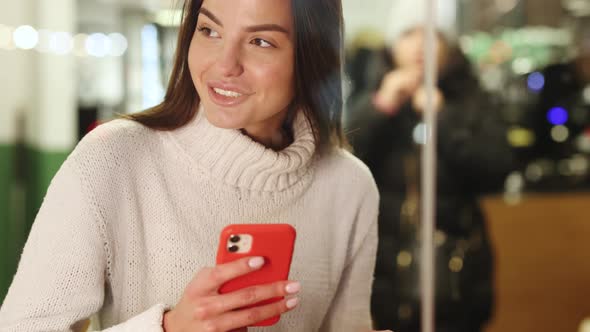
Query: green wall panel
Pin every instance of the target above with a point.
(25, 174)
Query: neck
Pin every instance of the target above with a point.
(277, 141)
(272, 134)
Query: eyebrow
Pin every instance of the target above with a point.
(267, 27)
(253, 28)
(210, 15)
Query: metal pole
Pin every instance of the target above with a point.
(427, 276)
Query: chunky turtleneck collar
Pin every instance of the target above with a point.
(239, 161)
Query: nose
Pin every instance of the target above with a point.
(230, 62)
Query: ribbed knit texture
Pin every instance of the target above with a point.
(134, 213)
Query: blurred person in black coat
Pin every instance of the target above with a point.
(473, 159)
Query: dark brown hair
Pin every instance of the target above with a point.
(318, 72)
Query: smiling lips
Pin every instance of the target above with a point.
(227, 93)
(224, 94)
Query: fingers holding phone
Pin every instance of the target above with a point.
(256, 294)
(215, 277)
(202, 308)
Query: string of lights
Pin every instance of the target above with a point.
(98, 44)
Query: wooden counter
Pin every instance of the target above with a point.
(542, 248)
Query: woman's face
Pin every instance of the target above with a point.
(241, 60)
(408, 50)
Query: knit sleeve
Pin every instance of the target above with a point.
(350, 308)
(61, 276)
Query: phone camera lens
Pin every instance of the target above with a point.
(233, 248)
(234, 239)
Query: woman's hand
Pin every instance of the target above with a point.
(397, 87)
(419, 100)
(202, 308)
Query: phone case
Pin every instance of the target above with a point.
(274, 242)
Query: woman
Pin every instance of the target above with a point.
(249, 132)
(473, 159)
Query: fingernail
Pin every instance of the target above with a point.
(293, 287)
(291, 303)
(256, 262)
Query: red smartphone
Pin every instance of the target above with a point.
(273, 242)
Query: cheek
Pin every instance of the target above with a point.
(198, 62)
(401, 56)
(409, 54)
(276, 77)
(401, 52)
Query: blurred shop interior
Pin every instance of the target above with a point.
(68, 65)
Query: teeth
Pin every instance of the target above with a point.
(227, 93)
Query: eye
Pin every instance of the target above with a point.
(261, 42)
(207, 32)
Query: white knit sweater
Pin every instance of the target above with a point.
(134, 213)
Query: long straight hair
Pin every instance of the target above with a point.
(318, 72)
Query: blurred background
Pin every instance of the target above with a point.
(67, 65)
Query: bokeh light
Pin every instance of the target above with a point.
(98, 45)
(520, 137)
(557, 116)
(6, 41)
(61, 43)
(118, 44)
(522, 66)
(419, 133)
(536, 81)
(43, 44)
(586, 95)
(80, 44)
(560, 133)
(25, 37)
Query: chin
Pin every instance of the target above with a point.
(221, 119)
